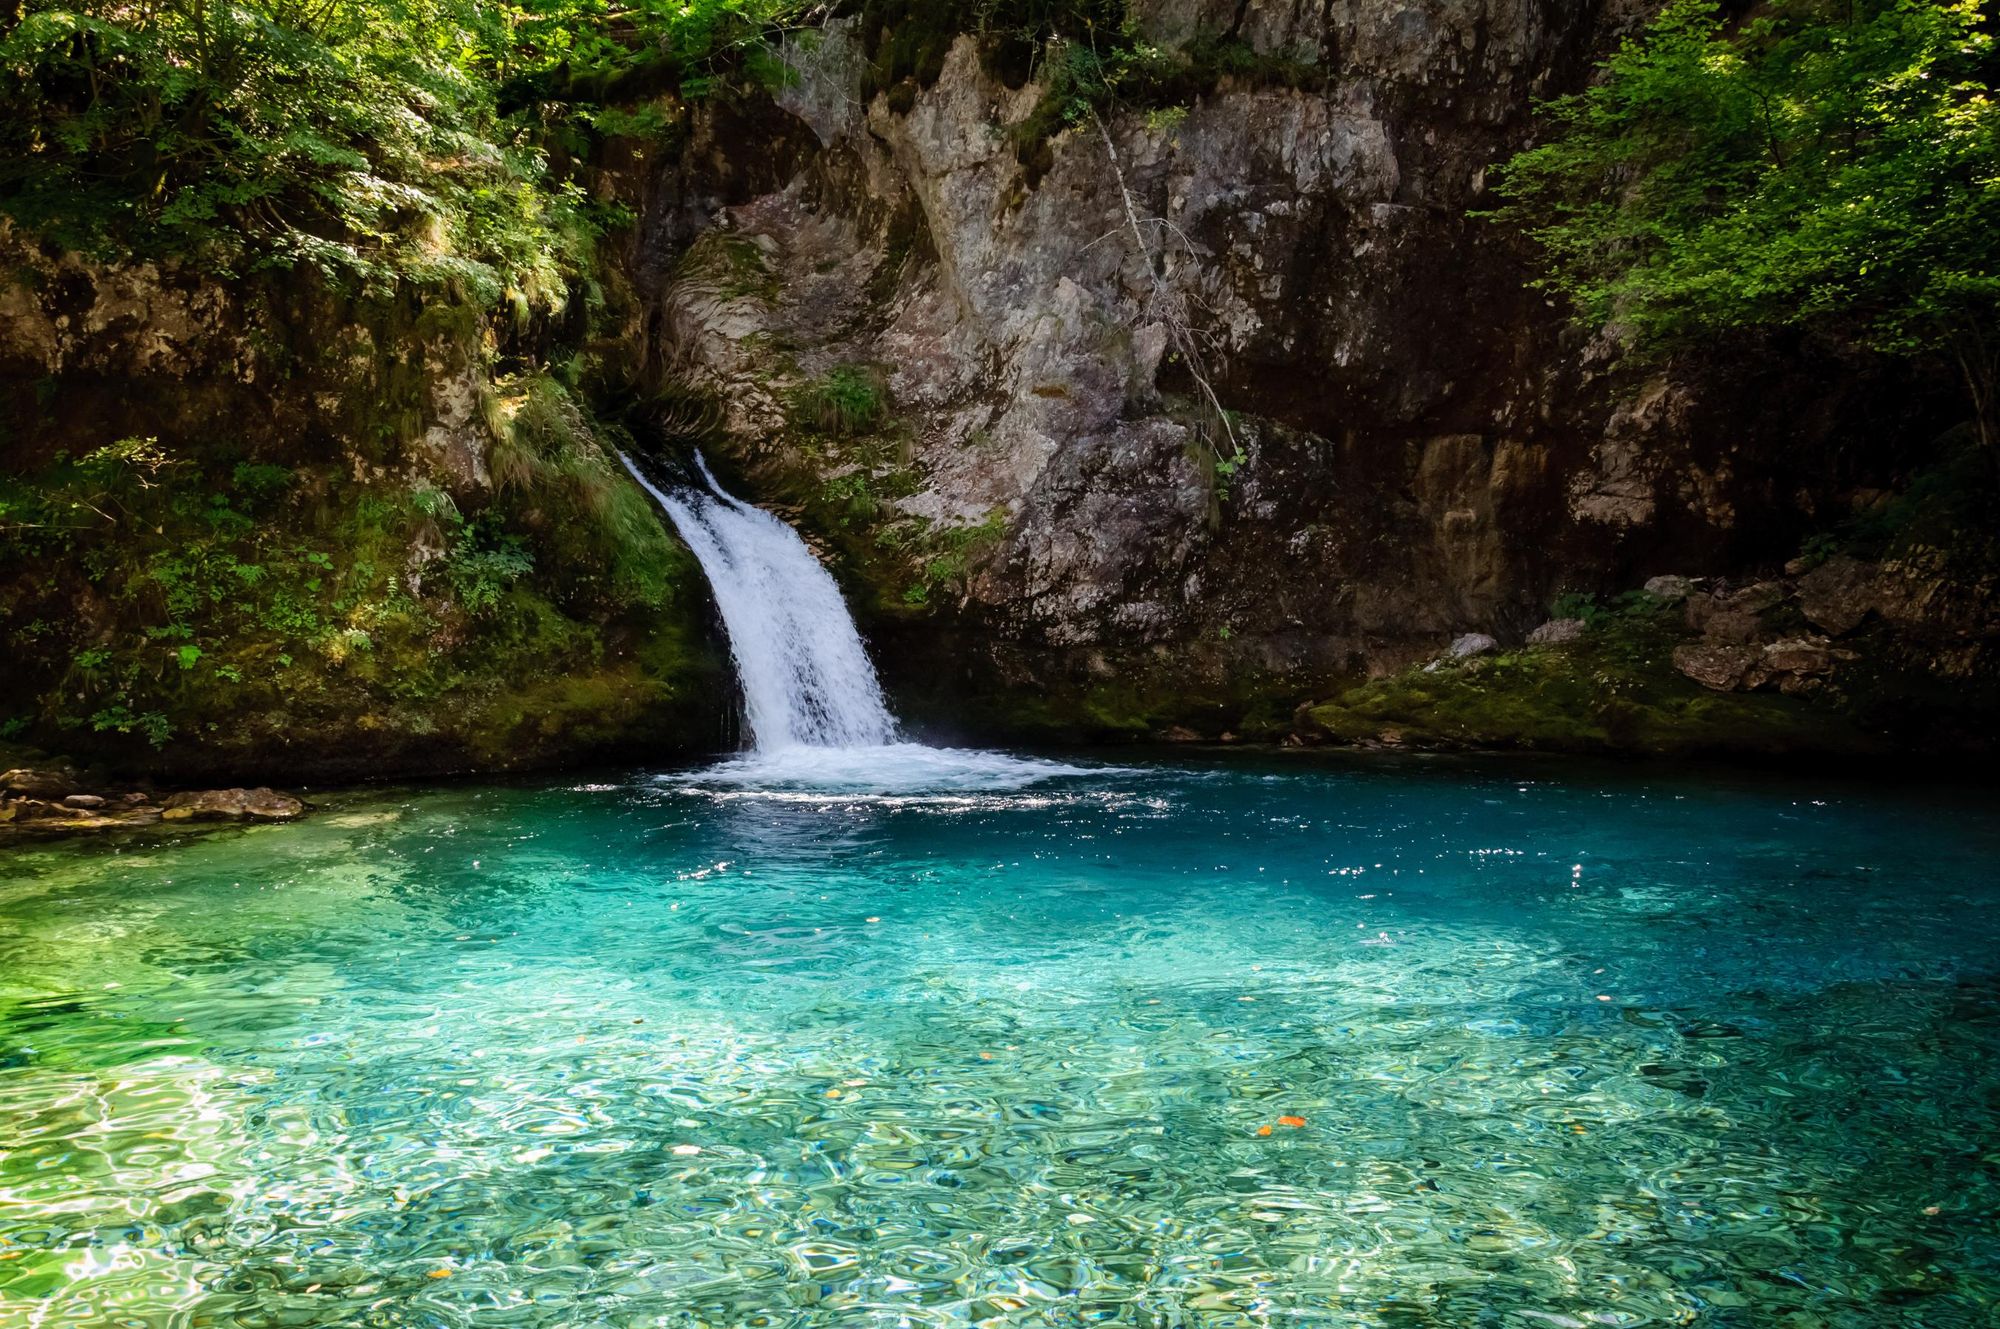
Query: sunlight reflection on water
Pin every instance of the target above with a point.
(966, 1038)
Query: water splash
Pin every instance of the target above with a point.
(807, 680)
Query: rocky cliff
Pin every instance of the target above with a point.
(1211, 408)
(1031, 319)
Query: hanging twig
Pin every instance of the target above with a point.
(1168, 306)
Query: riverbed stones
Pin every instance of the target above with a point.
(1733, 616)
(77, 812)
(1793, 664)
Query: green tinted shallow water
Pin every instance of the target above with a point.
(1571, 1046)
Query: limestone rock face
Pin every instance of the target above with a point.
(1419, 447)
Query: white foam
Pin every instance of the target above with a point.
(865, 773)
(806, 676)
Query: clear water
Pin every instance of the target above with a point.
(1016, 1045)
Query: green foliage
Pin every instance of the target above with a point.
(1087, 56)
(483, 564)
(1944, 517)
(596, 50)
(367, 139)
(845, 403)
(1826, 164)
(1224, 470)
(947, 557)
(593, 525)
(199, 596)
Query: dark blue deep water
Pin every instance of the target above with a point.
(1250, 1042)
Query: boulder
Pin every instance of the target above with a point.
(1756, 597)
(1471, 644)
(1179, 734)
(1733, 616)
(1557, 632)
(1670, 588)
(39, 781)
(1795, 664)
(1799, 655)
(260, 804)
(1839, 593)
(85, 800)
(1720, 666)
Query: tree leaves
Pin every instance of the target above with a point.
(1827, 165)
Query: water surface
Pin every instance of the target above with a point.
(1257, 1042)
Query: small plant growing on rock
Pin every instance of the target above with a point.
(845, 403)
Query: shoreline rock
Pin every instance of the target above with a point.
(54, 799)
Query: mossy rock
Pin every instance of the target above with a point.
(1581, 699)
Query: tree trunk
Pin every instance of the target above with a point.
(1979, 363)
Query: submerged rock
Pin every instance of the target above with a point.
(259, 804)
(77, 812)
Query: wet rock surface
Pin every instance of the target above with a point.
(60, 800)
(260, 804)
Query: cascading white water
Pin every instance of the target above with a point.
(819, 725)
(807, 680)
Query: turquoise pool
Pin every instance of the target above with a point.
(1255, 1041)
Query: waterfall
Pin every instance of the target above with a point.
(806, 677)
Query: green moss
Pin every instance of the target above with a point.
(1599, 696)
(741, 268)
(213, 606)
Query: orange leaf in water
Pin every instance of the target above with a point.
(1291, 1121)
(440, 1273)
(1263, 1130)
